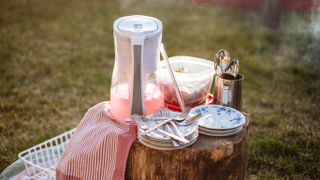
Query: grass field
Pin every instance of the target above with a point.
(56, 60)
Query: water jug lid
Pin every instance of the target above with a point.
(129, 26)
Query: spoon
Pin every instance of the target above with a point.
(221, 59)
(233, 68)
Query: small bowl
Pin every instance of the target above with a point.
(194, 77)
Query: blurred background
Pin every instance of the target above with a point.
(56, 61)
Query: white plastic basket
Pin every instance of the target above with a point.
(41, 160)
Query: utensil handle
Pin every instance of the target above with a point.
(157, 125)
(184, 140)
(178, 93)
(175, 143)
(176, 129)
(137, 98)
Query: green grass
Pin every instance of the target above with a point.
(56, 60)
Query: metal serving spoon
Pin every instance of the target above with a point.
(221, 60)
(233, 68)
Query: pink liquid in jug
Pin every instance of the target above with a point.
(120, 103)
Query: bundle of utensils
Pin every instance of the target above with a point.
(167, 130)
(225, 65)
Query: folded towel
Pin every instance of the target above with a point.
(99, 147)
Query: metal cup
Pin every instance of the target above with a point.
(228, 90)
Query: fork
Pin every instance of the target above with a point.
(160, 113)
(184, 122)
(190, 121)
(144, 126)
(182, 117)
(166, 112)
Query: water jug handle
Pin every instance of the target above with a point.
(137, 96)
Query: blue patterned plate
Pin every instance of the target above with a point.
(222, 118)
(220, 133)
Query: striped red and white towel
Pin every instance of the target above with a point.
(99, 147)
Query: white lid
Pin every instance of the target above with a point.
(137, 25)
(192, 68)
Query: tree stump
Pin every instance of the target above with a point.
(208, 158)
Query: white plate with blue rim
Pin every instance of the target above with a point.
(218, 118)
(220, 133)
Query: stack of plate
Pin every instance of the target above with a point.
(157, 140)
(219, 120)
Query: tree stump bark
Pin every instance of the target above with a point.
(209, 158)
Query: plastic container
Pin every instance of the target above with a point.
(194, 77)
